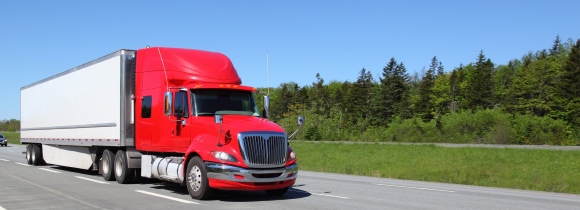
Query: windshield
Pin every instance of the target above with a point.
(211, 102)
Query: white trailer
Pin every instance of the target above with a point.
(66, 117)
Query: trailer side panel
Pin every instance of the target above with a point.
(84, 106)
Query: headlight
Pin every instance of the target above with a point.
(224, 156)
(291, 154)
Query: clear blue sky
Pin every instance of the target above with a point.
(335, 38)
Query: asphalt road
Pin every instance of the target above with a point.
(53, 187)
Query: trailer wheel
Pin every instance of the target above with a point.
(197, 183)
(29, 154)
(36, 155)
(107, 165)
(123, 173)
(277, 192)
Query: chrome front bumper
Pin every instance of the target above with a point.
(237, 174)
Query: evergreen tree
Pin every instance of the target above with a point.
(360, 97)
(569, 86)
(425, 108)
(556, 47)
(481, 84)
(391, 89)
(455, 87)
(319, 99)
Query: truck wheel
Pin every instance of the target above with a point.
(277, 192)
(123, 173)
(29, 154)
(107, 165)
(36, 155)
(196, 176)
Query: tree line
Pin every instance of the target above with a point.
(10, 125)
(531, 100)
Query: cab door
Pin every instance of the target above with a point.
(181, 127)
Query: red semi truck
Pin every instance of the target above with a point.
(178, 115)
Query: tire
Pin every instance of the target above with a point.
(123, 173)
(107, 165)
(29, 154)
(196, 179)
(277, 192)
(36, 155)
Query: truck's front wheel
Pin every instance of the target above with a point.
(197, 183)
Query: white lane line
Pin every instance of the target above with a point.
(3, 160)
(416, 188)
(334, 196)
(2, 208)
(21, 164)
(166, 197)
(92, 180)
(10, 151)
(57, 172)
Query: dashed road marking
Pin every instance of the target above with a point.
(92, 180)
(166, 197)
(21, 164)
(2, 208)
(9, 150)
(416, 188)
(57, 172)
(4, 160)
(333, 196)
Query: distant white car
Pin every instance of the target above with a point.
(3, 140)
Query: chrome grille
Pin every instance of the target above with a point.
(263, 150)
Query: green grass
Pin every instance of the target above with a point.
(13, 137)
(528, 169)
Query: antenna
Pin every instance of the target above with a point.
(267, 73)
(164, 71)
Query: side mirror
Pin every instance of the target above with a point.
(266, 106)
(168, 99)
(301, 121)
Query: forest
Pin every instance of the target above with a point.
(531, 100)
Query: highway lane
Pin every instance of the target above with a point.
(53, 187)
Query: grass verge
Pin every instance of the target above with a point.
(13, 137)
(528, 169)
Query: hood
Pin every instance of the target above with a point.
(239, 123)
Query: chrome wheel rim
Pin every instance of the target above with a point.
(118, 166)
(33, 157)
(106, 164)
(28, 155)
(194, 178)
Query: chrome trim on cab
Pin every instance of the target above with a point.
(237, 174)
(263, 149)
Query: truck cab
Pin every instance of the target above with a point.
(194, 106)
